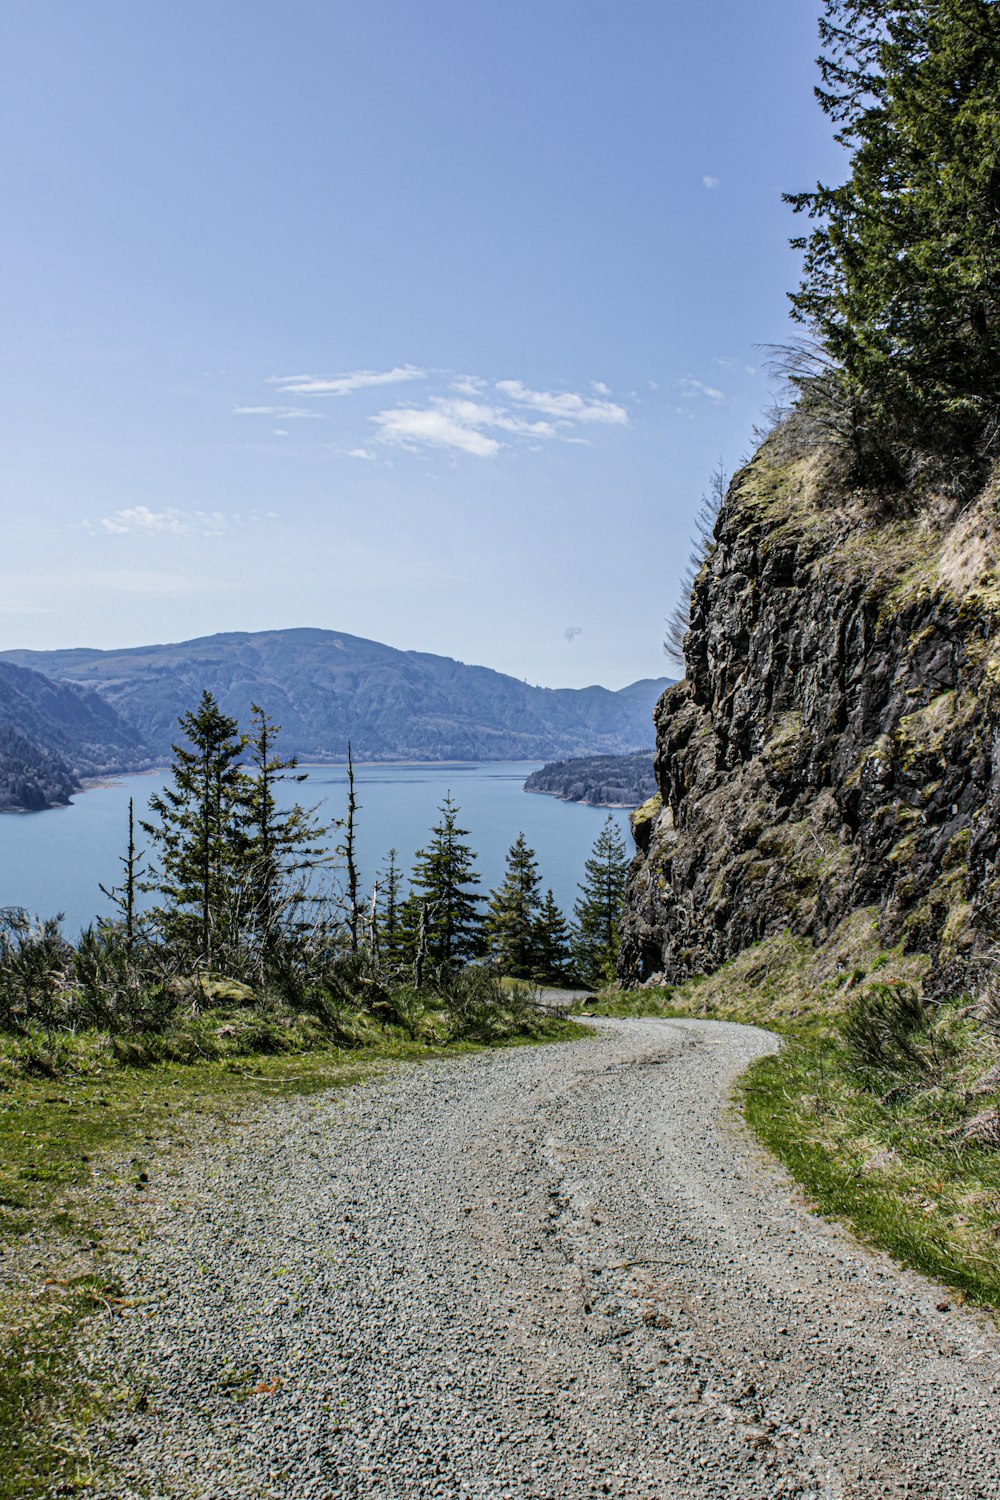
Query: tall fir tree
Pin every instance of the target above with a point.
(197, 833)
(552, 955)
(901, 273)
(442, 888)
(279, 846)
(391, 927)
(598, 911)
(509, 925)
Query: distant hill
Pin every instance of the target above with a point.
(325, 687)
(31, 778)
(53, 733)
(600, 780)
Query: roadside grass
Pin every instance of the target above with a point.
(879, 1143)
(86, 1142)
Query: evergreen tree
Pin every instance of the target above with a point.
(509, 926)
(198, 835)
(278, 846)
(598, 911)
(552, 956)
(442, 884)
(390, 923)
(901, 275)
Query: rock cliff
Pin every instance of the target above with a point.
(833, 745)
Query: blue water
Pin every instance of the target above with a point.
(55, 861)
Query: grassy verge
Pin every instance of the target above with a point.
(872, 1114)
(87, 1139)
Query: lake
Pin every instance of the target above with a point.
(55, 861)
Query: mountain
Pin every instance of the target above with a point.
(31, 778)
(52, 733)
(599, 780)
(325, 687)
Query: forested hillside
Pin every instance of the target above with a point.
(326, 688)
(598, 780)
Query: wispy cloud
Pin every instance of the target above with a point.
(140, 519)
(571, 632)
(411, 427)
(460, 413)
(692, 389)
(709, 182)
(344, 385)
(566, 406)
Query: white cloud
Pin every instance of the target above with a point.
(411, 427)
(709, 183)
(279, 432)
(691, 389)
(572, 631)
(565, 406)
(460, 412)
(139, 518)
(344, 385)
(282, 413)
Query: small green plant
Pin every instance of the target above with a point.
(886, 1029)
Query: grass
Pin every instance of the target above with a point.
(86, 1142)
(878, 1145)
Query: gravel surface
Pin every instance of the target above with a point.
(553, 1272)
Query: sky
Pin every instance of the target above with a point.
(422, 320)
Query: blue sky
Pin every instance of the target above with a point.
(422, 320)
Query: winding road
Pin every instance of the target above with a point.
(555, 1272)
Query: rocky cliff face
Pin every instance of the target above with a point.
(834, 742)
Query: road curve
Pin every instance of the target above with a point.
(549, 1272)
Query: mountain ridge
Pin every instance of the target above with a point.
(325, 687)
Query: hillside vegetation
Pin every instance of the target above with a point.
(598, 780)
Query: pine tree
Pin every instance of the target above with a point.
(389, 913)
(278, 846)
(198, 834)
(442, 885)
(901, 275)
(598, 911)
(509, 926)
(552, 956)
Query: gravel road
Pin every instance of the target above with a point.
(552, 1272)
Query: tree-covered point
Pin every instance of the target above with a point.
(901, 275)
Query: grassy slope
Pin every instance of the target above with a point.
(886, 1154)
(83, 1155)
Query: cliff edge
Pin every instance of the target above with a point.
(833, 745)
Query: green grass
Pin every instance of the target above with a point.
(84, 1147)
(884, 1152)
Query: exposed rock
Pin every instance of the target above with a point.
(834, 742)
